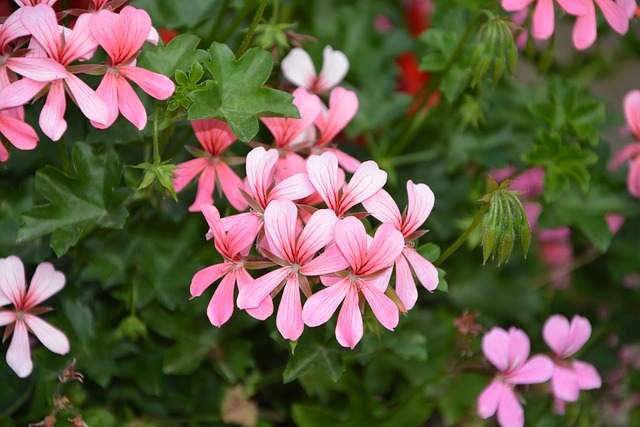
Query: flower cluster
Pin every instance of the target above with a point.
(509, 352)
(45, 54)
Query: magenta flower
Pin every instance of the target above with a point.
(631, 152)
(294, 251)
(367, 258)
(122, 37)
(214, 136)
(543, 15)
(298, 68)
(585, 28)
(24, 316)
(329, 182)
(384, 208)
(509, 351)
(569, 375)
(233, 246)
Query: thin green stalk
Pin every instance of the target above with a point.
(252, 29)
(451, 249)
(64, 156)
(156, 149)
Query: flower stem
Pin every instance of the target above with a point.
(451, 249)
(252, 28)
(64, 156)
(156, 149)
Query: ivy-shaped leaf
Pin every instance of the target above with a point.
(236, 94)
(179, 54)
(89, 198)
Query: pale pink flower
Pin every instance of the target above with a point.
(233, 245)
(631, 152)
(294, 251)
(122, 36)
(585, 28)
(367, 258)
(298, 68)
(329, 183)
(384, 208)
(64, 47)
(509, 351)
(543, 15)
(569, 375)
(24, 316)
(214, 136)
(343, 105)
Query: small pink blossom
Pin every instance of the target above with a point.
(509, 352)
(569, 375)
(298, 68)
(367, 258)
(24, 316)
(631, 152)
(214, 136)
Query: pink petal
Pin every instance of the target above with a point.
(421, 201)
(104, 29)
(632, 111)
(12, 280)
(19, 93)
(6, 316)
(349, 328)
(536, 370)
(158, 86)
(220, 307)
(38, 69)
(320, 306)
(334, 67)
(298, 68)
(615, 15)
(108, 92)
(231, 184)
(91, 105)
(241, 235)
(52, 120)
(260, 167)
(19, 134)
(351, 239)
(212, 216)
(495, 346)
(316, 234)
(42, 24)
(584, 30)
(254, 293)
(323, 174)
(382, 206)
(348, 163)
(81, 44)
(588, 377)
(518, 349)
(579, 333)
(575, 7)
(330, 261)
(384, 309)
(4, 154)
(52, 338)
(12, 28)
(289, 317)
(367, 180)
(285, 130)
(510, 413)
(19, 352)
(295, 187)
(629, 6)
(557, 333)
(265, 309)
(187, 171)
(386, 246)
(131, 28)
(405, 286)
(515, 5)
(564, 384)
(382, 279)
(280, 220)
(130, 105)
(543, 20)
(206, 185)
(205, 277)
(490, 398)
(426, 273)
(633, 180)
(214, 135)
(343, 105)
(46, 281)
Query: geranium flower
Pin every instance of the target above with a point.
(631, 152)
(569, 375)
(24, 316)
(298, 68)
(508, 351)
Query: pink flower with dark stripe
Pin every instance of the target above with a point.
(23, 318)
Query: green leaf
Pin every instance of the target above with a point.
(90, 197)
(179, 54)
(236, 94)
(311, 357)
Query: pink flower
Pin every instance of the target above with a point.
(384, 208)
(122, 37)
(214, 136)
(631, 151)
(366, 257)
(233, 246)
(294, 251)
(298, 68)
(63, 47)
(569, 375)
(20, 134)
(329, 183)
(543, 15)
(24, 316)
(509, 351)
(585, 28)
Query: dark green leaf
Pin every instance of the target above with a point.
(179, 54)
